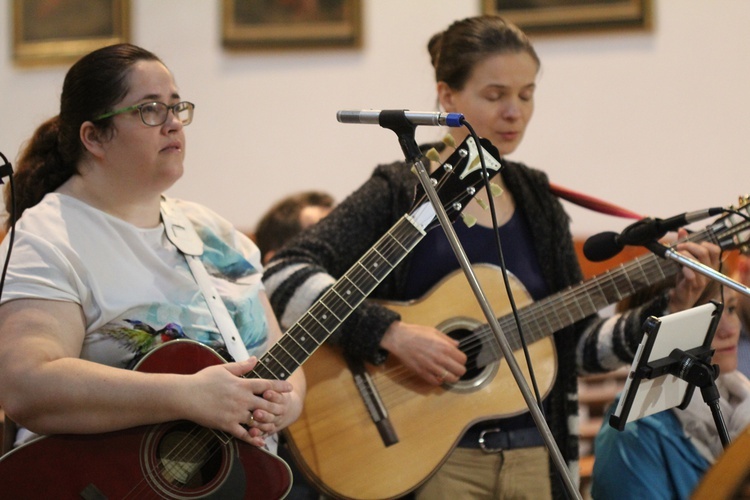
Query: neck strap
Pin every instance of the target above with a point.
(181, 232)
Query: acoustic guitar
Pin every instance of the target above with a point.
(182, 460)
(373, 432)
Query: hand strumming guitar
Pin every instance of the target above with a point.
(428, 352)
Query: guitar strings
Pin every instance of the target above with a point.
(187, 450)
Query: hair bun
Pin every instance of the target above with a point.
(434, 46)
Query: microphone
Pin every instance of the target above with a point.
(414, 117)
(606, 245)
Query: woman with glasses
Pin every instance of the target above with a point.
(96, 280)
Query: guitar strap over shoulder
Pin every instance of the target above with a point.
(182, 234)
(592, 203)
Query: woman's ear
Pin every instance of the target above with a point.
(91, 138)
(446, 97)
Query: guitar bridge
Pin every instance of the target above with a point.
(373, 402)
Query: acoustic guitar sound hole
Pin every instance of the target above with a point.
(184, 458)
(481, 365)
(185, 461)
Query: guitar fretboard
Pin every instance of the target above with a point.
(337, 303)
(541, 319)
(555, 312)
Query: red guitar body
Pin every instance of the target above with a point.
(171, 460)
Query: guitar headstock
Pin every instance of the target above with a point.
(733, 230)
(457, 180)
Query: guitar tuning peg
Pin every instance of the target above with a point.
(481, 203)
(495, 190)
(449, 141)
(469, 220)
(433, 155)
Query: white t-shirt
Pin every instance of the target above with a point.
(135, 288)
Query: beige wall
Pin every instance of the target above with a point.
(657, 122)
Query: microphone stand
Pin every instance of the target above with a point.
(694, 367)
(668, 253)
(396, 121)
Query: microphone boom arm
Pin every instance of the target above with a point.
(669, 253)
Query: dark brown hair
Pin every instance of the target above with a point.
(456, 51)
(282, 221)
(91, 87)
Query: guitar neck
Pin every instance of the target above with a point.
(558, 311)
(555, 312)
(302, 339)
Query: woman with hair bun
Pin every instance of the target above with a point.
(485, 68)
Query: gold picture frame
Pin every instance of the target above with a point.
(555, 16)
(47, 32)
(275, 24)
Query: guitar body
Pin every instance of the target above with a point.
(335, 440)
(172, 460)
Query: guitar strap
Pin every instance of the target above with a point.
(592, 203)
(182, 234)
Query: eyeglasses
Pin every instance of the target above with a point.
(155, 114)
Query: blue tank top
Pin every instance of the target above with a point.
(433, 258)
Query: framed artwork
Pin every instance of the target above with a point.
(547, 16)
(299, 24)
(61, 31)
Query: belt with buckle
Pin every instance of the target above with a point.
(496, 439)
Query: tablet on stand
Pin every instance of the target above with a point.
(670, 343)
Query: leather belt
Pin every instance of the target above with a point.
(496, 440)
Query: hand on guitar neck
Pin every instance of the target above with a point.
(692, 288)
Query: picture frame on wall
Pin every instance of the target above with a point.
(555, 16)
(280, 24)
(49, 32)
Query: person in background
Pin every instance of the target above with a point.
(485, 68)
(287, 217)
(665, 455)
(96, 279)
(742, 275)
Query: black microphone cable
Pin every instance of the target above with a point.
(503, 269)
(737, 212)
(6, 170)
